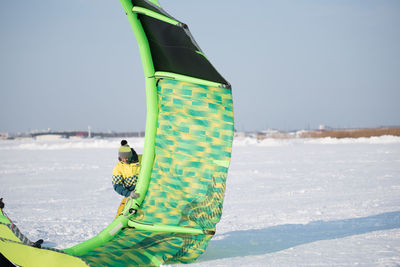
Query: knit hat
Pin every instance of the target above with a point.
(125, 151)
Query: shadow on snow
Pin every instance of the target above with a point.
(281, 237)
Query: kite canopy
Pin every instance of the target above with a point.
(178, 200)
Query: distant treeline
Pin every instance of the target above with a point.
(86, 134)
(351, 133)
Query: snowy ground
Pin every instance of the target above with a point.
(298, 202)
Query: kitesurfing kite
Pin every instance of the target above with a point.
(177, 202)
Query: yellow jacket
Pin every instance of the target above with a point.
(124, 177)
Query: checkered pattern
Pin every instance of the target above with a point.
(117, 179)
(193, 149)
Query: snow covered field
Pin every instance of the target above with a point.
(295, 202)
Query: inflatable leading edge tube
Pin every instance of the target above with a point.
(149, 142)
(104, 236)
(152, 109)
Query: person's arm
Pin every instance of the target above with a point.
(122, 190)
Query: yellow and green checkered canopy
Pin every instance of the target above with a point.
(192, 154)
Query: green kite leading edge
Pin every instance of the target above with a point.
(173, 212)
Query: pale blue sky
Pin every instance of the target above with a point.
(292, 64)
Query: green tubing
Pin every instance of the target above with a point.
(104, 236)
(152, 102)
(149, 143)
(183, 78)
(155, 15)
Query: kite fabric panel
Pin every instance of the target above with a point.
(193, 149)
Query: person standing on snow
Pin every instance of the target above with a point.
(125, 173)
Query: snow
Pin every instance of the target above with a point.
(289, 202)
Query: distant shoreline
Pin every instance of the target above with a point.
(352, 133)
(324, 133)
(260, 135)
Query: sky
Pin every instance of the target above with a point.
(292, 64)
